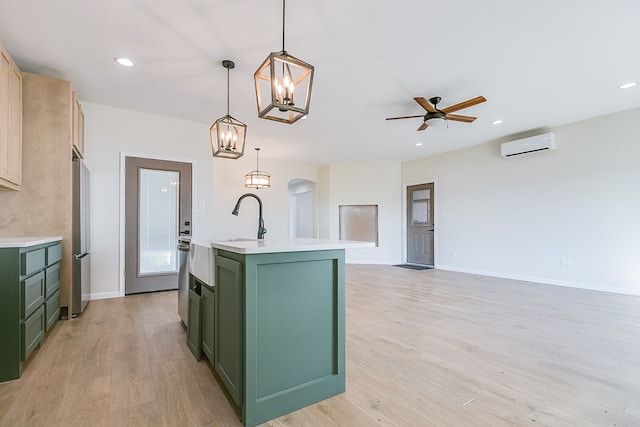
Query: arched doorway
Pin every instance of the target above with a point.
(302, 209)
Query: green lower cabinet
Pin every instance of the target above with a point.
(29, 302)
(32, 331)
(280, 330)
(229, 326)
(52, 280)
(32, 260)
(52, 310)
(207, 320)
(32, 293)
(194, 338)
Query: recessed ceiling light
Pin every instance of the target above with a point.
(627, 85)
(496, 122)
(418, 144)
(125, 62)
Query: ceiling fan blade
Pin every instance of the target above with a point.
(457, 118)
(425, 104)
(404, 117)
(466, 104)
(423, 126)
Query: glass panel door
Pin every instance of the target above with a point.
(158, 221)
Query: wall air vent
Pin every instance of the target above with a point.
(532, 144)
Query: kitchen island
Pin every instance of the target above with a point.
(279, 341)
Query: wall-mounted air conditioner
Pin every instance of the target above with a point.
(532, 144)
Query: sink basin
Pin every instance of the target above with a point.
(201, 258)
(201, 262)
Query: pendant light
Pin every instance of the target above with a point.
(283, 85)
(257, 179)
(228, 134)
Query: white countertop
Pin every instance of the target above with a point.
(245, 246)
(24, 242)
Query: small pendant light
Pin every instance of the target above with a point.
(257, 179)
(228, 134)
(283, 85)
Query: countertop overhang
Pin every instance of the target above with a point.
(25, 242)
(246, 246)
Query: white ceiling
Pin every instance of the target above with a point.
(539, 64)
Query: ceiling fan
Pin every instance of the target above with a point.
(434, 114)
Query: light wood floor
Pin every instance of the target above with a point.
(424, 348)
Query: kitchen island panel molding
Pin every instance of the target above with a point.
(229, 324)
(296, 317)
(293, 332)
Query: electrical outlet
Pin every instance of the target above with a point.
(199, 213)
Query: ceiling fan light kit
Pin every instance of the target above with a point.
(283, 85)
(437, 117)
(228, 134)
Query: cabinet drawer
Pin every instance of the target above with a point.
(31, 261)
(31, 294)
(52, 280)
(32, 332)
(52, 310)
(54, 254)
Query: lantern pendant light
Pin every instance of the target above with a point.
(257, 179)
(283, 85)
(228, 134)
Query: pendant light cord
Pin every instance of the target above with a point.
(283, 2)
(227, 91)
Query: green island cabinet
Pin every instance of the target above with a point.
(194, 337)
(200, 324)
(29, 298)
(279, 318)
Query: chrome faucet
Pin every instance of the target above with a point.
(261, 230)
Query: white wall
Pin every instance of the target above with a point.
(371, 183)
(228, 186)
(324, 202)
(505, 217)
(567, 217)
(217, 183)
(108, 133)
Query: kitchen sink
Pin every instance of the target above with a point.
(202, 259)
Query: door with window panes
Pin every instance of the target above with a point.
(420, 224)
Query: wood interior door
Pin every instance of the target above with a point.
(420, 224)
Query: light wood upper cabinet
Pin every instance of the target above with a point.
(10, 123)
(77, 131)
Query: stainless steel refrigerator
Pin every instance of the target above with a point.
(81, 249)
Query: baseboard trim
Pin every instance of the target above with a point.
(376, 262)
(104, 295)
(543, 280)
